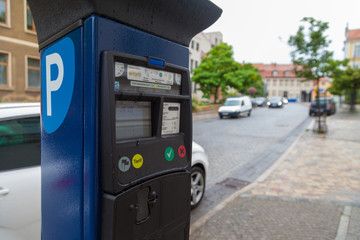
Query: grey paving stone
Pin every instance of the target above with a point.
(254, 218)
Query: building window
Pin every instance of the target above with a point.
(4, 11)
(195, 87)
(33, 72)
(4, 63)
(274, 82)
(191, 65)
(30, 26)
(323, 83)
(197, 46)
(196, 64)
(216, 41)
(287, 73)
(280, 82)
(273, 92)
(298, 83)
(357, 51)
(286, 83)
(275, 73)
(192, 44)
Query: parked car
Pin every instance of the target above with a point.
(285, 100)
(20, 191)
(235, 106)
(253, 102)
(199, 168)
(20, 173)
(327, 105)
(275, 102)
(260, 101)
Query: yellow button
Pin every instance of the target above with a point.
(137, 161)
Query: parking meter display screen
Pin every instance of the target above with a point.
(132, 120)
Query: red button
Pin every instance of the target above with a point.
(182, 151)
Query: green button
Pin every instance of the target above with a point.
(169, 154)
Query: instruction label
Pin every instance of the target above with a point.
(171, 118)
(149, 75)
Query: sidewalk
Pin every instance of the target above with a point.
(311, 192)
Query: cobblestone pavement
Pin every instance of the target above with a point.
(255, 218)
(321, 167)
(304, 197)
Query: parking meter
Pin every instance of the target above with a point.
(116, 116)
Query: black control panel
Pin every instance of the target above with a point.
(146, 123)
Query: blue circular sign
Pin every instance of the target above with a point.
(57, 83)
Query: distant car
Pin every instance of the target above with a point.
(260, 101)
(20, 172)
(253, 102)
(285, 100)
(275, 102)
(327, 105)
(235, 106)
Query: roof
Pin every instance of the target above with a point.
(353, 34)
(266, 70)
(14, 110)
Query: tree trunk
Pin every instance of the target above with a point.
(216, 94)
(352, 100)
(318, 104)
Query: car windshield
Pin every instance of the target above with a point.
(232, 103)
(322, 101)
(275, 99)
(259, 99)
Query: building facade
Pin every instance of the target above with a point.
(281, 81)
(324, 84)
(19, 53)
(199, 46)
(352, 47)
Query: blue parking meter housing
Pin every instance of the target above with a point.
(116, 116)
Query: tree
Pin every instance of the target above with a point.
(210, 73)
(247, 76)
(310, 54)
(348, 79)
(220, 71)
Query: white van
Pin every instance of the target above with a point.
(235, 106)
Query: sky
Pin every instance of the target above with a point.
(259, 30)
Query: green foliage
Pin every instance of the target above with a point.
(347, 81)
(310, 55)
(220, 71)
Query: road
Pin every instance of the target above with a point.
(240, 150)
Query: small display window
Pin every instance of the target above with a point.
(133, 120)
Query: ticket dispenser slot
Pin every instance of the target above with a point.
(146, 136)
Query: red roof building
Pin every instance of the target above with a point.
(281, 81)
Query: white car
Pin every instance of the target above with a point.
(20, 183)
(20, 173)
(235, 106)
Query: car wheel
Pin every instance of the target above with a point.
(249, 113)
(220, 116)
(197, 186)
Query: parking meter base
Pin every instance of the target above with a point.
(161, 213)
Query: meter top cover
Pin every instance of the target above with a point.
(176, 20)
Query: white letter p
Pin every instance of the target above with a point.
(52, 86)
